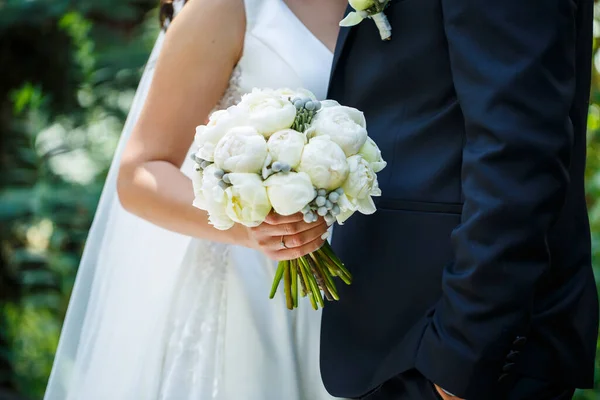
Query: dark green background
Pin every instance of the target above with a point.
(68, 71)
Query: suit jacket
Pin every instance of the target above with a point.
(477, 264)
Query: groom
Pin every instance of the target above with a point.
(474, 276)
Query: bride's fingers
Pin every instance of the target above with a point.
(305, 237)
(297, 252)
(287, 229)
(297, 240)
(276, 219)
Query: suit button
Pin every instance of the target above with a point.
(520, 341)
(502, 378)
(507, 367)
(513, 355)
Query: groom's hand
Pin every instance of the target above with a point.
(287, 238)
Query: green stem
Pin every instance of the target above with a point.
(328, 276)
(277, 279)
(313, 283)
(294, 277)
(335, 259)
(287, 286)
(306, 284)
(335, 267)
(316, 270)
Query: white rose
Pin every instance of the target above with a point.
(242, 149)
(290, 94)
(207, 136)
(370, 152)
(247, 200)
(212, 199)
(358, 189)
(346, 126)
(286, 146)
(325, 163)
(361, 5)
(267, 111)
(289, 193)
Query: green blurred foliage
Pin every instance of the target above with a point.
(68, 74)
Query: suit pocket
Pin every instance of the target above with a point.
(418, 206)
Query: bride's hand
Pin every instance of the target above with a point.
(287, 238)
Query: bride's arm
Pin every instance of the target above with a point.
(201, 48)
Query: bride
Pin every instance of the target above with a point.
(165, 306)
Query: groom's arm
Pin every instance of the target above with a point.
(513, 64)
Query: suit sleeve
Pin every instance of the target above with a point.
(513, 66)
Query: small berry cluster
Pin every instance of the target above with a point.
(324, 205)
(200, 163)
(306, 109)
(221, 175)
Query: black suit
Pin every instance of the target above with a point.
(476, 268)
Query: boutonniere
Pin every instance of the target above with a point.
(372, 9)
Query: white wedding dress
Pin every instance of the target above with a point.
(158, 316)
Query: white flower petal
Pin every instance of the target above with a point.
(346, 126)
(372, 154)
(325, 162)
(366, 206)
(286, 146)
(351, 19)
(242, 149)
(267, 111)
(247, 202)
(289, 193)
(360, 5)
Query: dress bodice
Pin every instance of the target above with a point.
(279, 51)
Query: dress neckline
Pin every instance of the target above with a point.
(298, 21)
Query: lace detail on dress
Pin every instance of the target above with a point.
(193, 364)
(233, 93)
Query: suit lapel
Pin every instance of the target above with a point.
(339, 46)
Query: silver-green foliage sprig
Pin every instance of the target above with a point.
(306, 109)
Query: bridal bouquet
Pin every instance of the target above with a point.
(284, 151)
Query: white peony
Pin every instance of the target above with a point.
(329, 103)
(358, 189)
(325, 163)
(286, 146)
(370, 152)
(207, 136)
(212, 198)
(290, 192)
(267, 111)
(361, 5)
(346, 126)
(290, 94)
(247, 200)
(242, 149)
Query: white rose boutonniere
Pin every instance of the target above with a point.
(372, 9)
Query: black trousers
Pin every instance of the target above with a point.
(411, 385)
